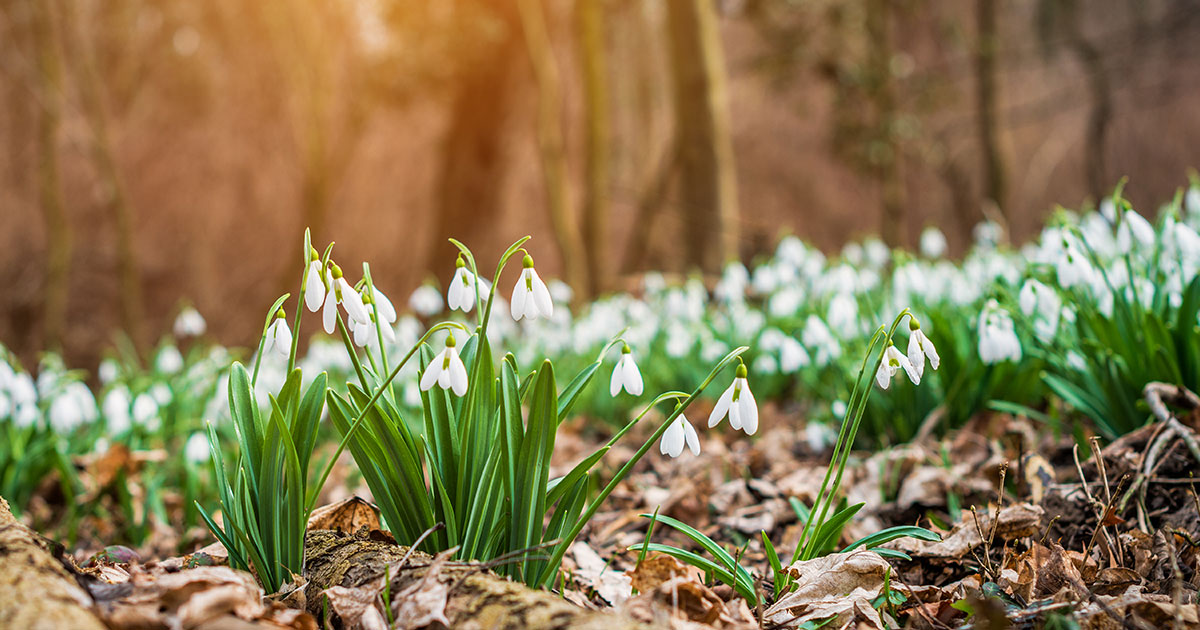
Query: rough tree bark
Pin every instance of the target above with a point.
(50, 196)
(994, 170)
(591, 20)
(36, 591)
(708, 179)
(883, 93)
(551, 145)
(476, 599)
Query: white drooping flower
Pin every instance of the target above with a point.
(530, 297)
(196, 450)
(626, 375)
(279, 337)
(461, 294)
(738, 403)
(677, 435)
(145, 411)
(169, 360)
(894, 360)
(921, 348)
(1135, 230)
(314, 284)
(447, 370)
(74, 407)
(1040, 303)
(933, 242)
(340, 292)
(425, 301)
(1073, 267)
(109, 370)
(189, 323)
(383, 305)
(997, 336)
(116, 410)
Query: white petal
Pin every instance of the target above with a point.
(389, 333)
(673, 439)
(915, 355)
(329, 313)
(735, 415)
(883, 375)
(283, 338)
(458, 376)
(386, 310)
(748, 410)
(931, 352)
(520, 295)
(314, 289)
(353, 303)
(616, 382)
(689, 436)
(454, 296)
(631, 375)
(444, 379)
(541, 295)
(432, 373)
(721, 408)
(913, 374)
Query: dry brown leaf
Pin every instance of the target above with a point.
(1015, 521)
(423, 604)
(347, 516)
(590, 568)
(658, 568)
(356, 606)
(840, 586)
(291, 594)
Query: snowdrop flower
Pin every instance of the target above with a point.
(988, 234)
(278, 337)
(933, 242)
(732, 285)
(116, 410)
(1073, 267)
(530, 297)
(169, 360)
(1134, 230)
(920, 348)
(447, 370)
(892, 361)
(677, 435)
(1191, 201)
(196, 449)
(738, 403)
(314, 284)
(341, 292)
(1041, 303)
(5, 404)
(461, 294)
(145, 410)
(997, 336)
(843, 314)
(383, 305)
(426, 301)
(876, 252)
(189, 323)
(109, 371)
(626, 375)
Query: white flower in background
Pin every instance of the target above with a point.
(677, 435)
(1134, 230)
(853, 253)
(933, 242)
(116, 410)
(145, 411)
(74, 407)
(876, 252)
(279, 337)
(189, 323)
(314, 284)
(920, 348)
(426, 300)
(1191, 201)
(161, 393)
(765, 364)
(109, 371)
(997, 336)
(169, 360)
(447, 370)
(786, 301)
(792, 356)
(680, 340)
(5, 404)
(988, 234)
(530, 297)
(819, 436)
(732, 285)
(340, 292)
(23, 398)
(765, 280)
(626, 375)
(1042, 304)
(1076, 361)
(560, 292)
(894, 360)
(1108, 209)
(843, 314)
(817, 336)
(1073, 268)
(461, 294)
(196, 449)
(738, 403)
(838, 408)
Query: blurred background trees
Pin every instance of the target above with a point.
(159, 150)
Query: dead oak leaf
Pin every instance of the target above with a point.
(347, 516)
(423, 604)
(839, 586)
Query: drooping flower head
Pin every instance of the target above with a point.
(738, 403)
(920, 348)
(461, 294)
(314, 284)
(997, 335)
(680, 433)
(447, 370)
(279, 336)
(626, 375)
(530, 298)
(341, 292)
(893, 361)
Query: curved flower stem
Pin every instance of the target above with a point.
(263, 338)
(561, 548)
(371, 403)
(300, 303)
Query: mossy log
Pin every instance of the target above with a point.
(476, 598)
(36, 590)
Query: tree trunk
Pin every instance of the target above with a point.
(994, 171)
(708, 179)
(112, 189)
(594, 68)
(472, 169)
(50, 196)
(1095, 139)
(552, 146)
(886, 165)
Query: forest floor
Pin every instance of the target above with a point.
(1036, 532)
